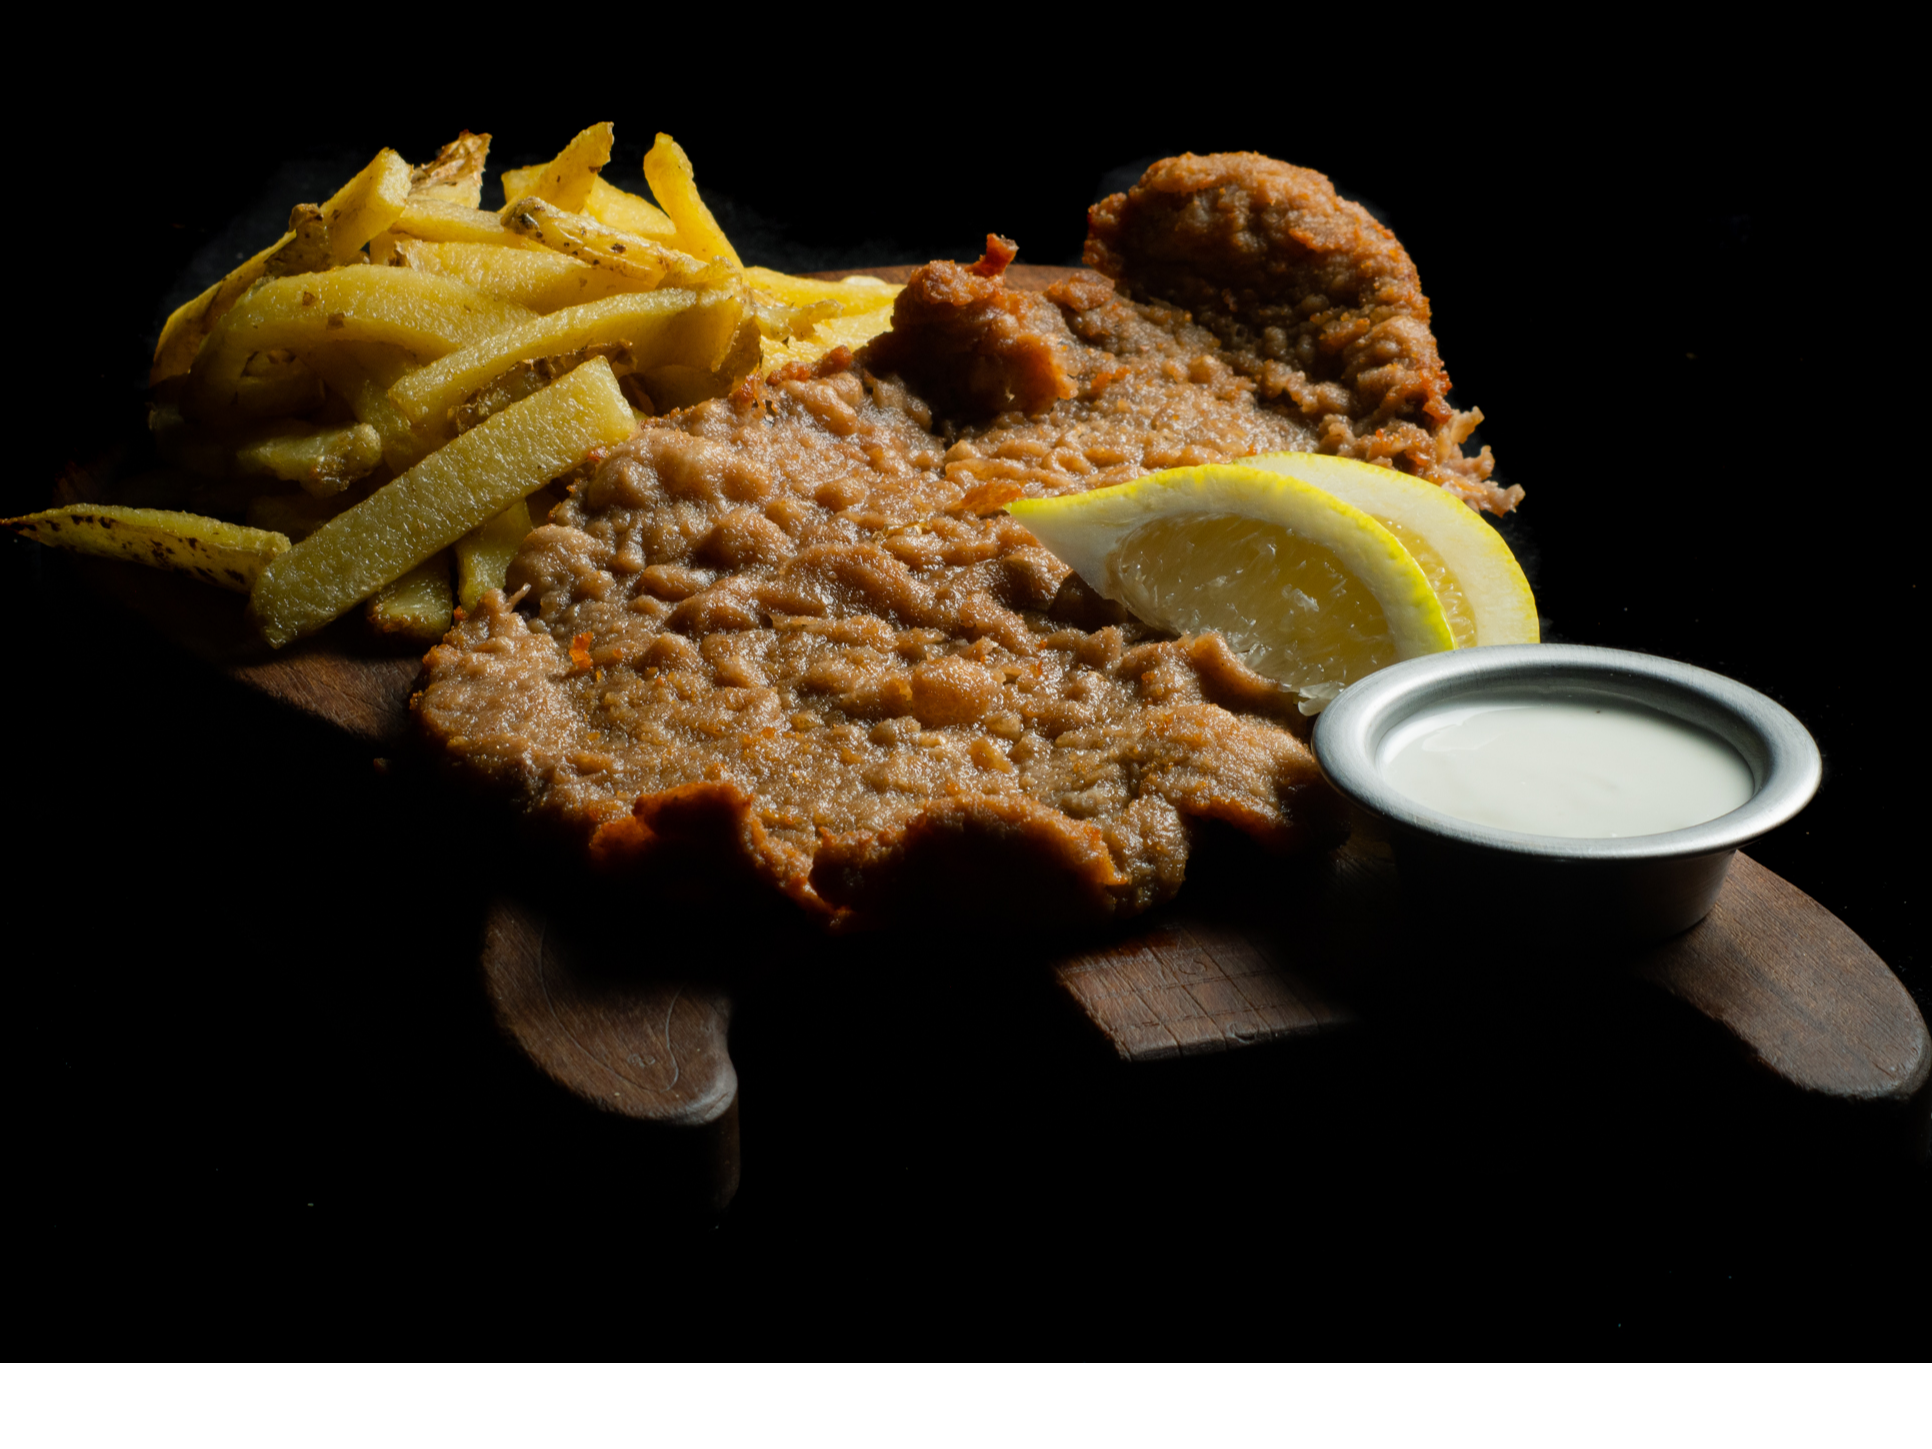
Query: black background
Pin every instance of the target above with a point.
(254, 1071)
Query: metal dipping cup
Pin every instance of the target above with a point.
(1619, 890)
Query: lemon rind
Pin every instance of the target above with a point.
(1500, 601)
(1085, 529)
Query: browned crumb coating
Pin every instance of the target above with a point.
(790, 641)
(1310, 296)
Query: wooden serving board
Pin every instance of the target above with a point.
(1266, 955)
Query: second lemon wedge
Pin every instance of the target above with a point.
(1475, 577)
(1311, 590)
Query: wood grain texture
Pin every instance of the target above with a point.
(638, 1045)
(631, 1042)
(1795, 988)
(1191, 984)
(1790, 981)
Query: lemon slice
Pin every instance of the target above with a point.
(1477, 579)
(1310, 590)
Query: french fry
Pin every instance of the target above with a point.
(671, 325)
(674, 184)
(334, 233)
(467, 357)
(524, 379)
(520, 181)
(781, 321)
(677, 385)
(461, 485)
(227, 555)
(444, 221)
(542, 280)
(192, 321)
(455, 175)
(618, 208)
(416, 606)
(609, 204)
(848, 313)
(566, 180)
(327, 235)
(321, 460)
(361, 374)
(307, 247)
(853, 331)
(597, 245)
(852, 294)
(427, 314)
(483, 554)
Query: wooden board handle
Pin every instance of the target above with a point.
(650, 1049)
(1798, 989)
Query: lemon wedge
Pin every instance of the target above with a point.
(1475, 577)
(1309, 589)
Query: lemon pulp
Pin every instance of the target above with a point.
(1483, 592)
(1308, 588)
(1456, 608)
(1283, 602)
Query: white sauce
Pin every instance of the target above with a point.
(1584, 770)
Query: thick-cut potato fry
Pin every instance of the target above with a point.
(544, 281)
(611, 205)
(361, 374)
(672, 325)
(618, 208)
(860, 308)
(461, 485)
(674, 385)
(567, 178)
(853, 331)
(416, 606)
(852, 294)
(366, 207)
(781, 321)
(483, 554)
(443, 221)
(520, 181)
(224, 554)
(526, 379)
(456, 175)
(427, 314)
(188, 324)
(476, 323)
(321, 236)
(307, 247)
(334, 233)
(674, 185)
(598, 245)
(322, 460)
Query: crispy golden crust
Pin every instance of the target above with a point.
(1309, 295)
(792, 635)
(789, 642)
(969, 345)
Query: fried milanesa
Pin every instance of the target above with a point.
(1308, 295)
(791, 632)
